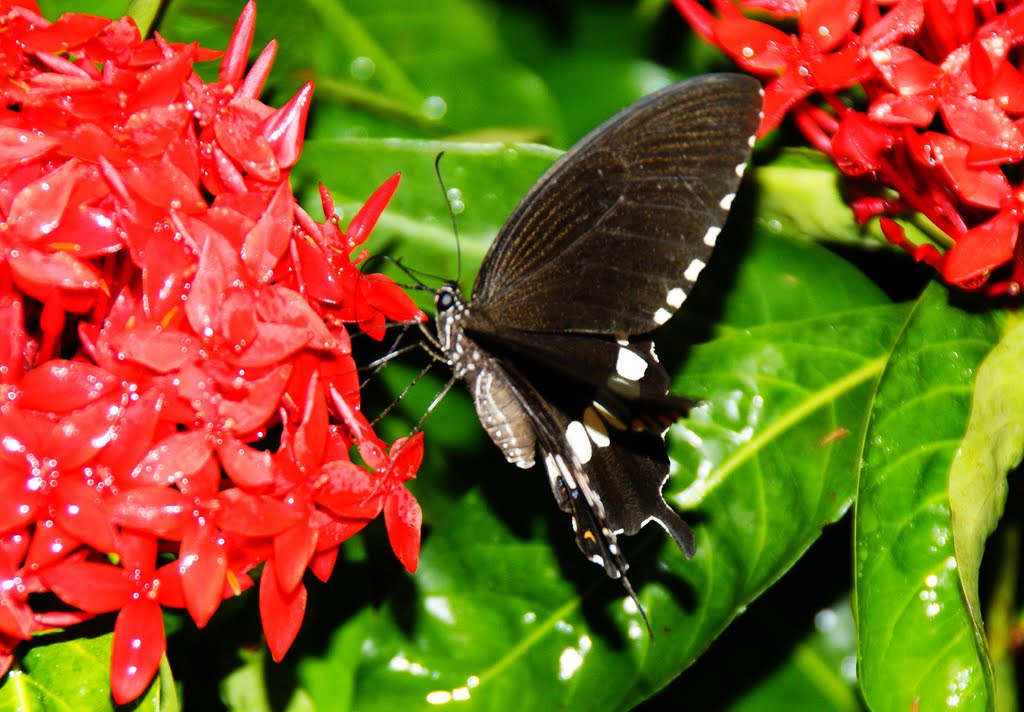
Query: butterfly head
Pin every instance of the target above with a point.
(450, 307)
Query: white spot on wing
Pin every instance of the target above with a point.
(675, 297)
(711, 236)
(693, 271)
(661, 316)
(630, 365)
(740, 169)
(726, 202)
(579, 441)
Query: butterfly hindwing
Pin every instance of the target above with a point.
(613, 236)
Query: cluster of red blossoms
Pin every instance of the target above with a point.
(924, 98)
(179, 400)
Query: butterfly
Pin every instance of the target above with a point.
(554, 346)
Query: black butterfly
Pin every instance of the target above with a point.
(605, 246)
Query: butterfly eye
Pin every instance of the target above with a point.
(445, 300)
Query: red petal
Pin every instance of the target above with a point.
(269, 238)
(896, 110)
(403, 518)
(248, 468)
(236, 56)
(203, 564)
(95, 588)
(19, 145)
(86, 232)
(349, 491)
(82, 513)
(280, 612)
(239, 132)
(363, 222)
(70, 30)
(176, 456)
(983, 123)
(388, 298)
(287, 126)
(258, 404)
(293, 548)
(153, 130)
(161, 511)
(1006, 89)
(860, 145)
(902, 20)
(779, 97)
(163, 185)
(904, 70)
(161, 85)
(281, 305)
(985, 187)
(757, 47)
(138, 646)
(825, 24)
(64, 386)
(38, 273)
(167, 266)
(255, 515)
(981, 250)
(50, 543)
(406, 455)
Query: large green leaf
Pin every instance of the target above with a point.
(917, 640)
(398, 68)
(60, 672)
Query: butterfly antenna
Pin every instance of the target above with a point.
(451, 214)
(408, 271)
(639, 606)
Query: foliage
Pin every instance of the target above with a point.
(851, 455)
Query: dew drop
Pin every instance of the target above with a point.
(362, 68)
(434, 107)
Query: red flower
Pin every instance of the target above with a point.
(176, 372)
(920, 64)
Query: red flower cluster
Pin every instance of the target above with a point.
(179, 400)
(942, 121)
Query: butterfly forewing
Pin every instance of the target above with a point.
(612, 238)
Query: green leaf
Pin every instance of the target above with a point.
(816, 675)
(992, 446)
(52, 9)
(506, 613)
(386, 69)
(916, 638)
(59, 672)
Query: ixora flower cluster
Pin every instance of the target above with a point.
(942, 97)
(179, 400)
